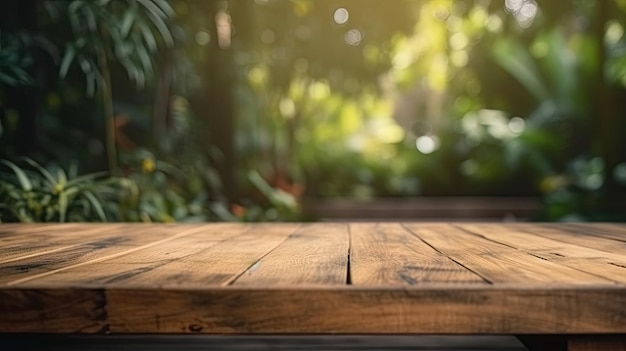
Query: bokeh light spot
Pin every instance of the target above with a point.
(301, 65)
(594, 181)
(268, 36)
(353, 37)
(303, 32)
(287, 108)
(524, 11)
(469, 167)
(614, 32)
(203, 38)
(257, 75)
(441, 13)
(458, 41)
(540, 49)
(494, 23)
(513, 5)
(529, 10)
(459, 58)
(427, 144)
(341, 15)
(517, 125)
(620, 173)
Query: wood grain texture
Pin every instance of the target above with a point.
(388, 254)
(116, 244)
(607, 230)
(292, 278)
(496, 262)
(222, 263)
(609, 265)
(316, 254)
(53, 311)
(31, 240)
(571, 237)
(192, 259)
(316, 310)
(537, 244)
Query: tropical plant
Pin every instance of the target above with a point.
(34, 193)
(161, 192)
(272, 204)
(107, 32)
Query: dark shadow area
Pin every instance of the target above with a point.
(245, 343)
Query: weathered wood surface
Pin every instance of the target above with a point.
(403, 259)
(424, 278)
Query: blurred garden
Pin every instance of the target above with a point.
(242, 110)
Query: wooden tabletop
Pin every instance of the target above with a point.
(424, 278)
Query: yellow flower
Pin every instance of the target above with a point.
(148, 165)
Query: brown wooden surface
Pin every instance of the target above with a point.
(315, 254)
(500, 263)
(424, 278)
(404, 259)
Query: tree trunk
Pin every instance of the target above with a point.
(163, 94)
(106, 95)
(215, 104)
(607, 131)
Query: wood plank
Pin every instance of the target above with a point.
(214, 255)
(597, 343)
(118, 243)
(34, 239)
(315, 254)
(613, 232)
(496, 262)
(599, 263)
(619, 228)
(562, 234)
(54, 232)
(388, 254)
(53, 311)
(18, 230)
(225, 310)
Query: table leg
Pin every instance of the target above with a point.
(597, 343)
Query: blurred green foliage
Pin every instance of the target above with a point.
(34, 193)
(326, 98)
(14, 60)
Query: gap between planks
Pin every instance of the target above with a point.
(499, 262)
(348, 263)
(234, 278)
(482, 276)
(552, 244)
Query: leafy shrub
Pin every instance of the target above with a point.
(161, 192)
(34, 193)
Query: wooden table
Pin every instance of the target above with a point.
(545, 283)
